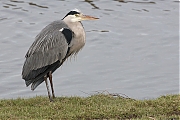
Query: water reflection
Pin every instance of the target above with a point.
(144, 2)
(8, 5)
(176, 1)
(91, 3)
(99, 31)
(2, 19)
(140, 10)
(34, 4)
(16, 1)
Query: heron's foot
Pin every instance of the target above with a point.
(53, 96)
(51, 100)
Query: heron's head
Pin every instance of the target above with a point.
(76, 16)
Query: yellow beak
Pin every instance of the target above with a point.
(87, 17)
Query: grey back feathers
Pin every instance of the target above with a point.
(50, 46)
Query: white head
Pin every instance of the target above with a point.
(77, 10)
(77, 16)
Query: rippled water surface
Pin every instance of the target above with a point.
(132, 49)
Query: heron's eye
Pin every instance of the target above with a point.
(77, 15)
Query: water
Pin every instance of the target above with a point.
(132, 49)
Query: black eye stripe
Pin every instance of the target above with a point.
(72, 13)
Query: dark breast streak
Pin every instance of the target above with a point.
(68, 34)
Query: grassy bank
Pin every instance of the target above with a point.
(93, 107)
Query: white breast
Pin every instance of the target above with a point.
(78, 40)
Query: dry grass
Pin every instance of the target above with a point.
(94, 107)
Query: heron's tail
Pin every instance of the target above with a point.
(28, 82)
(40, 77)
(37, 83)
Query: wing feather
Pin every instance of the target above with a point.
(50, 45)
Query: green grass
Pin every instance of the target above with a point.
(94, 107)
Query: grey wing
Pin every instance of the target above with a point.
(49, 47)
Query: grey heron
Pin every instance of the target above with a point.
(52, 46)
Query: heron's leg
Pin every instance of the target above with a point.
(47, 86)
(51, 82)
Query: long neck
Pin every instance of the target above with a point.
(78, 40)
